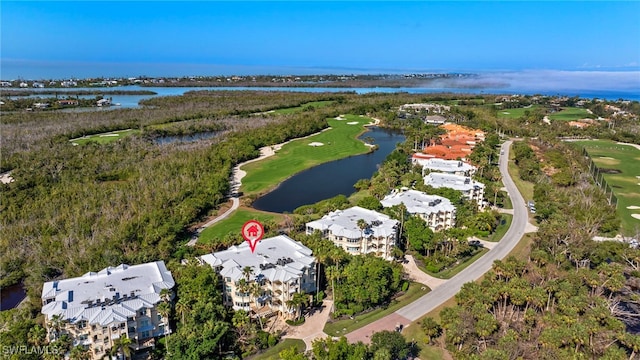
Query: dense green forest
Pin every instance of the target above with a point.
(73, 209)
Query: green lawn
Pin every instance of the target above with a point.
(505, 223)
(338, 142)
(517, 112)
(313, 104)
(272, 353)
(414, 292)
(570, 114)
(625, 184)
(451, 272)
(233, 223)
(104, 137)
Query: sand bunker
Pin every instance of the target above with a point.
(352, 123)
(339, 117)
(606, 157)
(506, 113)
(106, 135)
(636, 216)
(316, 144)
(633, 207)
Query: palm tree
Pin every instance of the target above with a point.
(182, 309)
(55, 325)
(37, 335)
(79, 353)
(243, 287)
(164, 309)
(247, 271)
(362, 224)
(122, 345)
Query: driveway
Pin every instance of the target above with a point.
(312, 327)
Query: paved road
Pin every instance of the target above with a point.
(444, 292)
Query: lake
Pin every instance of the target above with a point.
(335, 177)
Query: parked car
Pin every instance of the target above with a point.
(475, 243)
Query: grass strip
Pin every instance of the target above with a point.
(104, 138)
(272, 352)
(335, 328)
(234, 223)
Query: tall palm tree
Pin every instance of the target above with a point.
(55, 325)
(247, 271)
(362, 224)
(122, 345)
(182, 309)
(164, 309)
(243, 287)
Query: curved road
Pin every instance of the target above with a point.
(444, 292)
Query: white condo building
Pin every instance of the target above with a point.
(437, 211)
(98, 308)
(376, 235)
(280, 266)
(472, 190)
(456, 167)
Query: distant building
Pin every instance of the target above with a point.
(280, 266)
(40, 105)
(438, 212)
(376, 235)
(104, 102)
(68, 102)
(472, 190)
(98, 308)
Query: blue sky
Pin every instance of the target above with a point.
(121, 38)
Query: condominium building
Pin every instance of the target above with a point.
(472, 190)
(96, 309)
(358, 231)
(438, 212)
(263, 281)
(456, 167)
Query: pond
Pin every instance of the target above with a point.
(11, 296)
(330, 179)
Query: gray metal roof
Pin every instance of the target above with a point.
(276, 258)
(110, 295)
(418, 202)
(436, 164)
(452, 181)
(345, 223)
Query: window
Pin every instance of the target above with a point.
(159, 317)
(143, 311)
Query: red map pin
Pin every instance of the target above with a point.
(252, 232)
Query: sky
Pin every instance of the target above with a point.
(42, 40)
